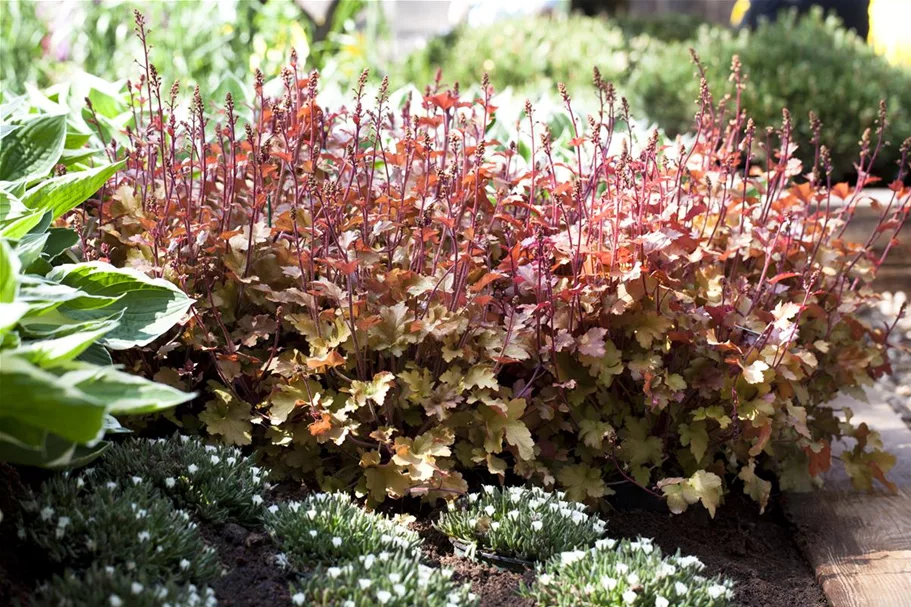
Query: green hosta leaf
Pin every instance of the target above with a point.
(9, 273)
(53, 326)
(62, 194)
(33, 149)
(44, 400)
(29, 248)
(58, 241)
(150, 306)
(44, 294)
(6, 129)
(123, 393)
(10, 314)
(51, 451)
(16, 219)
(22, 435)
(96, 354)
(49, 352)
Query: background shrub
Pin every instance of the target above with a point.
(216, 45)
(665, 26)
(804, 64)
(532, 54)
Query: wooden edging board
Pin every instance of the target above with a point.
(859, 543)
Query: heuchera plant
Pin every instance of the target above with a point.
(388, 298)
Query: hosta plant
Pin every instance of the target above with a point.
(217, 483)
(390, 579)
(613, 574)
(60, 314)
(330, 527)
(387, 297)
(77, 522)
(104, 585)
(528, 524)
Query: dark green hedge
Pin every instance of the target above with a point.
(804, 64)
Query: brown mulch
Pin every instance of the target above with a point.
(760, 553)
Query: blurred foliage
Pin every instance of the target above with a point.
(216, 44)
(524, 53)
(666, 27)
(22, 35)
(804, 64)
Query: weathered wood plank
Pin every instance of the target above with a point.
(860, 543)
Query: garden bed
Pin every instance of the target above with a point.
(759, 552)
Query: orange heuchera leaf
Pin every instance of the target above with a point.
(841, 190)
(879, 475)
(765, 433)
(783, 276)
(821, 460)
(330, 360)
(486, 280)
(322, 425)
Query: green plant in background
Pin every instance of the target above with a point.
(329, 527)
(61, 315)
(216, 45)
(387, 579)
(627, 573)
(665, 26)
(532, 54)
(22, 38)
(217, 483)
(530, 524)
(805, 64)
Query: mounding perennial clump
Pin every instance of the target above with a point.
(391, 579)
(126, 525)
(106, 586)
(528, 524)
(387, 298)
(217, 482)
(613, 574)
(330, 527)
